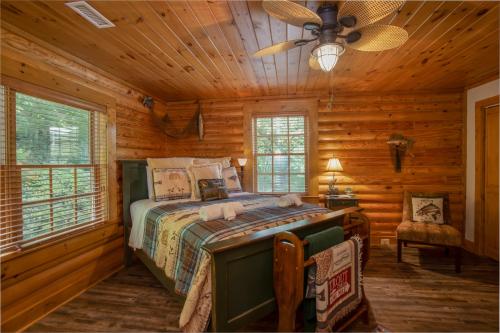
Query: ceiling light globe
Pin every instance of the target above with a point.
(328, 54)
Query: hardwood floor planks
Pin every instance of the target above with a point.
(421, 294)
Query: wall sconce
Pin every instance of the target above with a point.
(242, 162)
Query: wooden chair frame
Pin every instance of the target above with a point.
(289, 265)
(457, 250)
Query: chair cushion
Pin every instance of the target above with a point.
(431, 233)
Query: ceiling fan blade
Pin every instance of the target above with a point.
(313, 63)
(379, 38)
(291, 13)
(280, 47)
(368, 12)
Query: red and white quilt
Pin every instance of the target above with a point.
(335, 282)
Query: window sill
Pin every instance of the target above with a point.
(38, 245)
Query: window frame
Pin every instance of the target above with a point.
(306, 153)
(11, 87)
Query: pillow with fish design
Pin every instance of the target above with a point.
(429, 208)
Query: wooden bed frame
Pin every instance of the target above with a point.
(242, 267)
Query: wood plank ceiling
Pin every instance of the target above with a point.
(180, 50)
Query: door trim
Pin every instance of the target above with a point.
(479, 168)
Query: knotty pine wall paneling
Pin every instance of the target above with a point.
(39, 279)
(223, 124)
(356, 130)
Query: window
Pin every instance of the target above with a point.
(280, 153)
(53, 168)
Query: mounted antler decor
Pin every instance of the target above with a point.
(399, 145)
(195, 125)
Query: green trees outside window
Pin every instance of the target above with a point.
(53, 167)
(280, 151)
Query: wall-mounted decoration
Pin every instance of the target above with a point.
(194, 127)
(399, 145)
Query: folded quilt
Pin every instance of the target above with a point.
(335, 282)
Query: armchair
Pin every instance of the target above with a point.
(429, 233)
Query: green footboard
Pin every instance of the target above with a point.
(242, 272)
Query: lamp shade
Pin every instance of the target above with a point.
(334, 165)
(242, 161)
(328, 54)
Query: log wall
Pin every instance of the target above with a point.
(38, 280)
(356, 130)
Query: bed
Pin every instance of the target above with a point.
(221, 271)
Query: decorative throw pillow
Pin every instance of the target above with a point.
(171, 184)
(231, 179)
(428, 207)
(166, 162)
(212, 189)
(206, 171)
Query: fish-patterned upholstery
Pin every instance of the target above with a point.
(422, 232)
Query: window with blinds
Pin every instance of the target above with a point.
(280, 154)
(53, 168)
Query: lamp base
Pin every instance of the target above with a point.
(332, 190)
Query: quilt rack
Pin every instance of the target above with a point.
(289, 268)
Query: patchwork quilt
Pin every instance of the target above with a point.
(175, 235)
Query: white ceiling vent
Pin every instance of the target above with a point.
(90, 14)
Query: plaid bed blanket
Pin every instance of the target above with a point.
(174, 235)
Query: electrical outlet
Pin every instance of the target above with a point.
(385, 241)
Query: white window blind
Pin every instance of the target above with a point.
(53, 168)
(280, 153)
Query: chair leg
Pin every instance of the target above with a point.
(447, 251)
(400, 242)
(458, 259)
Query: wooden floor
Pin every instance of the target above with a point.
(421, 294)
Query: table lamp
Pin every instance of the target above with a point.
(333, 166)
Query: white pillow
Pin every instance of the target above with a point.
(231, 179)
(165, 162)
(171, 184)
(225, 161)
(170, 162)
(206, 171)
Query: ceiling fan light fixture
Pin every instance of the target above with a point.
(328, 54)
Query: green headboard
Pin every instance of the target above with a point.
(134, 186)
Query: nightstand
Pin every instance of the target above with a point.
(336, 202)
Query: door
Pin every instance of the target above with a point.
(491, 182)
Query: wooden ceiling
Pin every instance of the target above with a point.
(201, 49)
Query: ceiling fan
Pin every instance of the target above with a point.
(328, 25)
